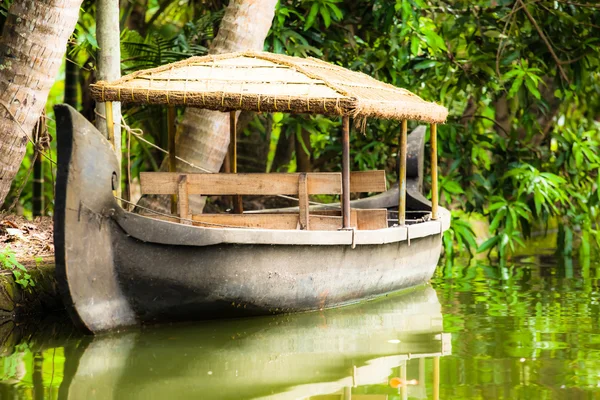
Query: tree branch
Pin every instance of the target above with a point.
(572, 3)
(545, 39)
(489, 119)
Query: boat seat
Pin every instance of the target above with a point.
(299, 184)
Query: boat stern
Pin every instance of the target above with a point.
(87, 173)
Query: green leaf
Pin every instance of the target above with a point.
(497, 220)
(326, 16)
(533, 89)
(538, 199)
(488, 244)
(336, 11)
(453, 187)
(414, 45)
(494, 34)
(312, 15)
(425, 64)
(434, 40)
(515, 87)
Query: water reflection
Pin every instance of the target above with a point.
(383, 349)
(529, 330)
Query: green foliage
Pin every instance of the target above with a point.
(520, 146)
(459, 238)
(9, 262)
(509, 98)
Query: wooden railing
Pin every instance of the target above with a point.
(299, 184)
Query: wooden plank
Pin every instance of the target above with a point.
(353, 218)
(325, 223)
(182, 195)
(259, 221)
(263, 221)
(333, 213)
(303, 201)
(371, 219)
(242, 184)
(368, 181)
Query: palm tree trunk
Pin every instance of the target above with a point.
(32, 46)
(203, 136)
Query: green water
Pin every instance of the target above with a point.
(526, 331)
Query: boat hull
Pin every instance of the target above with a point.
(117, 269)
(165, 282)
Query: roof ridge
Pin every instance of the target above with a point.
(268, 56)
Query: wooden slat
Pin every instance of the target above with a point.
(325, 223)
(303, 201)
(367, 181)
(333, 213)
(263, 221)
(267, 221)
(242, 184)
(371, 219)
(183, 199)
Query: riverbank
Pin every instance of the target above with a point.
(17, 302)
(27, 248)
(31, 242)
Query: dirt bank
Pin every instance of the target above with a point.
(31, 244)
(30, 241)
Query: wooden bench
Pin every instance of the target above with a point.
(299, 184)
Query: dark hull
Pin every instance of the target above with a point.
(175, 282)
(117, 270)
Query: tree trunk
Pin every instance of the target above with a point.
(283, 152)
(303, 152)
(109, 61)
(253, 150)
(109, 69)
(32, 46)
(203, 136)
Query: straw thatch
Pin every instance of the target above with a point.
(256, 81)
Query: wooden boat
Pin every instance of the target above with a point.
(278, 358)
(117, 268)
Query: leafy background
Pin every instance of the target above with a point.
(518, 154)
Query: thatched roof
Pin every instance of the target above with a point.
(256, 81)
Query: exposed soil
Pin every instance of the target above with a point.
(31, 241)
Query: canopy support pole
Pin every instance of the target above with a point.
(238, 207)
(345, 172)
(434, 173)
(436, 378)
(402, 150)
(171, 128)
(110, 135)
(110, 123)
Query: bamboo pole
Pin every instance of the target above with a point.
(345, 172)
(402, 150)
(110, 123)
(238, 207)
(436, 378)
(171, 129)
(434, 173)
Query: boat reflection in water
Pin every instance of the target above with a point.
(374, 350)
